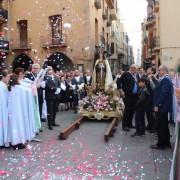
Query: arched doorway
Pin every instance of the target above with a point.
(60, 61)
(22, 61)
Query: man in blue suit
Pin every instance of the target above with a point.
(163, 96)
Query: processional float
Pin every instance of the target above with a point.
(103, 102)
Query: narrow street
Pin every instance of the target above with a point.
(85, 155)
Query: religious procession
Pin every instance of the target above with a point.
(29, 98)
(35, 96)
(89, 89)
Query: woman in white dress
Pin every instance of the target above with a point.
(28, 106)
(4, 78)
(17, 116)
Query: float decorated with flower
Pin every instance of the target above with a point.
(103, 101)
(101, 105)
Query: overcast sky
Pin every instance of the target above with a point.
(132, 13)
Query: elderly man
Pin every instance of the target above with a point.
(128, 84)
(163, 97)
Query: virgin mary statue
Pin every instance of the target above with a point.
(102, 75)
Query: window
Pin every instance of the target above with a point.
(112, 48)
(56, 27)
(23, 32)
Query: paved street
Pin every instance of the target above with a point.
(85, 155)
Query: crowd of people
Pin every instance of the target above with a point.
(153, 96)
(29, 98)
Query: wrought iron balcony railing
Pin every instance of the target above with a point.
(49, 41)
(97, 4)
(156, 5)
(156, 43)
(20, 44)
(113, 14)
(110, 4)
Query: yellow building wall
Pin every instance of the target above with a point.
(37, 13)
(170, 32)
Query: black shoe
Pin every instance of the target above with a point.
(126, 129)
(168, 145)
(19, 146)
(56, 125)
(137, 135)
(37, 134)
(157, 147)
(50, 128)
(152, 131)
(132, 127)
(43, 120)
(41, 130)
(148, 128)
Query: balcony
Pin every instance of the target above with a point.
(4, 45)
(19, 44)
(103, 41)
(53, 42)
(113, 14)
(156, 43)
(109, 23)
(110, 3)
(97, 4)
(156, 5)
(105, 15)
(151, 20)
(113, 36)
(3, 15)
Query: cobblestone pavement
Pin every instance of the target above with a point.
(85, 155)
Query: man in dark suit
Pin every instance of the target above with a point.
(163, 97)
(51, 91)
(140, 74)
(149, 103)
(128, 84)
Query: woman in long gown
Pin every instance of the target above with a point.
(16, 123)
(4, 78)
(28, 106)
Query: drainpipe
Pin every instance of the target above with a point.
(8, 23)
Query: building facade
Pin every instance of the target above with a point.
(63, 34)
(160, 39)
(150, 36)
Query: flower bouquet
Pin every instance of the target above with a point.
(100, 106)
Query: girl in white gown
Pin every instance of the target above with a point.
(4, 78)
(21, 116)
